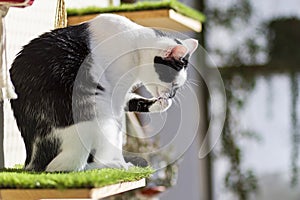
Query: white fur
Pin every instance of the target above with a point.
(80, 139)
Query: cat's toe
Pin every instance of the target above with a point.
(120, 165)
(112, 164)
(128, 165)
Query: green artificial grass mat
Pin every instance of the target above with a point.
(139, 6)
(18, 178)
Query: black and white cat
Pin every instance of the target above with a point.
(74, 85)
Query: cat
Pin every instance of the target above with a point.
(75, 84)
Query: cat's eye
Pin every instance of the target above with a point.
(183, 60)
(174, 84)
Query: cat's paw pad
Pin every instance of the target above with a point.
(160, 105)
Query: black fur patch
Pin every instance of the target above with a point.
(167, 69)
(159, 33)
(43, 74)
(46, 150)
(139, 105)
(99, 89)
(91, 157)
(177, 41)
(173, 92)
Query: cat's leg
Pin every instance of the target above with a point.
(45, 149)
(137, 103)
(69, 160)
(76, 142)
(108, 146)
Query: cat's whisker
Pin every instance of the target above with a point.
(184, 86)
(161, 115)
(176, 101)
(194, 84)
(191, 87)
(188, 86)
(194, 80)
(189, 82)
(179, 93)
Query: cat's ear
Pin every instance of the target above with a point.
(177, 52)
(180, 51)
(191, 44)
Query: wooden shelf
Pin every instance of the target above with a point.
(94, 193)
(163, 18)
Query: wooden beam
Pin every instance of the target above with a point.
(94, 193)
(163, 18)
(257, 70)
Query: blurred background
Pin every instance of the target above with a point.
(255, 47)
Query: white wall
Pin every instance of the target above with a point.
(22, 25)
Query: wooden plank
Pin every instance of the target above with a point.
(94, 193)
(164, 18)
(185, 21)
(99, 193)
(36, 194)
(73, 20)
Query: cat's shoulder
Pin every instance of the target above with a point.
(113, 21)
(111, 18)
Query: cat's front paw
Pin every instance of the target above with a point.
(112, 164)
(119, 165)
(160, 105)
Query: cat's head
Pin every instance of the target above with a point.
(170, 68)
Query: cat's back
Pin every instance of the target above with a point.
(105, 26)
(42, 62)
(111, 24)
(46, 59)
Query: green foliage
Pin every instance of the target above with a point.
(233, 19)
(282, 36)
(18, 178)
(228, 17)
(139, 6)
(241, 182)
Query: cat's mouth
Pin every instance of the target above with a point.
(172, 94)
(166, 94)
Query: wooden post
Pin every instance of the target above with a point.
(205, 163)
(1, 134)
(3, 11)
